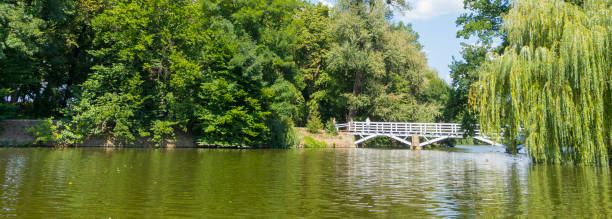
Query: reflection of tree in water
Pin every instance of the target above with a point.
(438, 183)
(14, 168)
(316, 183)
(483, 183)
(569, 191)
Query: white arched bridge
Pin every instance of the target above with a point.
(400, 131)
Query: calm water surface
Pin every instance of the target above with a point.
(145, 183)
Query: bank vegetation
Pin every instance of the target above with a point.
(231, 72)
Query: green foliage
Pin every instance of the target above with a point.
(162, 130)
(20, 40)
(45, 132)
(67, 136)
(230, 72)
(223, 118)
(314, 124)
(286, 108)
(283, 134)
(312, 26)
(330, 128)
(22, 29)
(376, 69)
(484, 19)
(110, 115)
(553, 81)
(312, 143)
(43, 53)
(464, 73)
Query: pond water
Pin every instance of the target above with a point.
(145, 183)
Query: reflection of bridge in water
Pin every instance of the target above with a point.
(400, 131)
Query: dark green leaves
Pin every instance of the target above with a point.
(229, 72)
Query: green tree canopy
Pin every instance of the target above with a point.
(553, 82)
(231, 72)
(377, 69)
(484, 19)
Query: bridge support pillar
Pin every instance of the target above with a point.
(416, 144)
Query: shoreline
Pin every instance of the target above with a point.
(13, 133)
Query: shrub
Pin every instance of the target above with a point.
(68, 136)
(312, 143)
(313, 125)
(45, 132)
(162, 130)
(283, 134)
(330, 128)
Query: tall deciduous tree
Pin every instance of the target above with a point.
(483, 21)
(43, 54)
(377, 69)
(232, 72)
(21, 36)
(312, 26)
(219, 69)
(553, 82)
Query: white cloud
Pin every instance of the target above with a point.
(426, 52)
(427, 9)
(326, 3)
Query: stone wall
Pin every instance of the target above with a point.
(14, 133)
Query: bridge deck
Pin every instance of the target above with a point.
(401, 131)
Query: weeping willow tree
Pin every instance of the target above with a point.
(552, 85)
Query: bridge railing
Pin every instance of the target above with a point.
(438, 131)
(402, 128)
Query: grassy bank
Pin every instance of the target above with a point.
(307, 139)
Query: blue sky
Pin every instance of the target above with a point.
(434, 20)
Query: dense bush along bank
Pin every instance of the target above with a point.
(231, 72)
